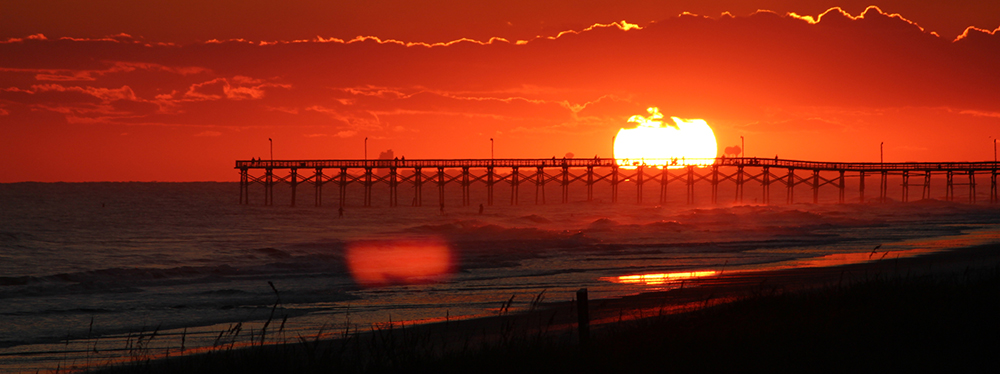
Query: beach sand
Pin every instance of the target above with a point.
(546, 338)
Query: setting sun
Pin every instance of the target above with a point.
(651, 142)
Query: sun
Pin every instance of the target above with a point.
(653, 143)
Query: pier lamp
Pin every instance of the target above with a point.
(743, 147)
(271, 143)
(491, 148)
(881, 154)
(366, 148)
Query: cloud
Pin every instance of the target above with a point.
(104, 94)
(977, 113)
(21, 40)
(751, 73)
(235, 88)
(208, 134)
(116, 67)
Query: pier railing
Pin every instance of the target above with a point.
(610, 162)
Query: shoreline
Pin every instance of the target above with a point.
(556, 322)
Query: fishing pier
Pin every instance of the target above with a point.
(513, 175)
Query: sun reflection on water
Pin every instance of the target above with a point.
(659, 278)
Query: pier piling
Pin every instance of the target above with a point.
(608, 172)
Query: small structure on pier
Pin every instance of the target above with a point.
(563, 172)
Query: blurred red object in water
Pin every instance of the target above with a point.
(399, 261)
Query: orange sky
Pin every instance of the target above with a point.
(176, 91)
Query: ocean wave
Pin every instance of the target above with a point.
(124, 280)
(272, 252)
(8, 237)
(533, 218)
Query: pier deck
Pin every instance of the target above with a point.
(766, 172)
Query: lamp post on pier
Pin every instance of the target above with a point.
(271, 142)
(491, 148)
(366, 148)
(881, 154)
(743, 147)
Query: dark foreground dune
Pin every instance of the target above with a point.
(933, 313)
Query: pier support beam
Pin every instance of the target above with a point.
(343, 186)
(540, 184)
(269, 188)
(972, 187)
(565, 184)
(318, 181)
(295, 183)
(393, 192)
(614, 183)
(861, 187)
(766, 186)
(514, 181)
(926, 192)
(883, 186)
(639, 173)
(993, 188)
(739, 184)
(590, 183)
(245, 186)
(465, 186)
(715, 184)
(489, 186)
(949, 187)
(368, 186)
(664, 180)
(418, 187)
(441, 187)
(840, 198)
(690, 184)
(906, 186)
(815, 186)
(790, 181)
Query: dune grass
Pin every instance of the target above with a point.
(931, 323)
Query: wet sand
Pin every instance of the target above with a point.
(555, 324)
(697, 293)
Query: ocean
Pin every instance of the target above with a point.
(92, 273)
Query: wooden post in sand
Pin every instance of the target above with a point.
(583, 317)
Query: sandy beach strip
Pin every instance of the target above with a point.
(555, 324)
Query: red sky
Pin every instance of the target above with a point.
(178, 90)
